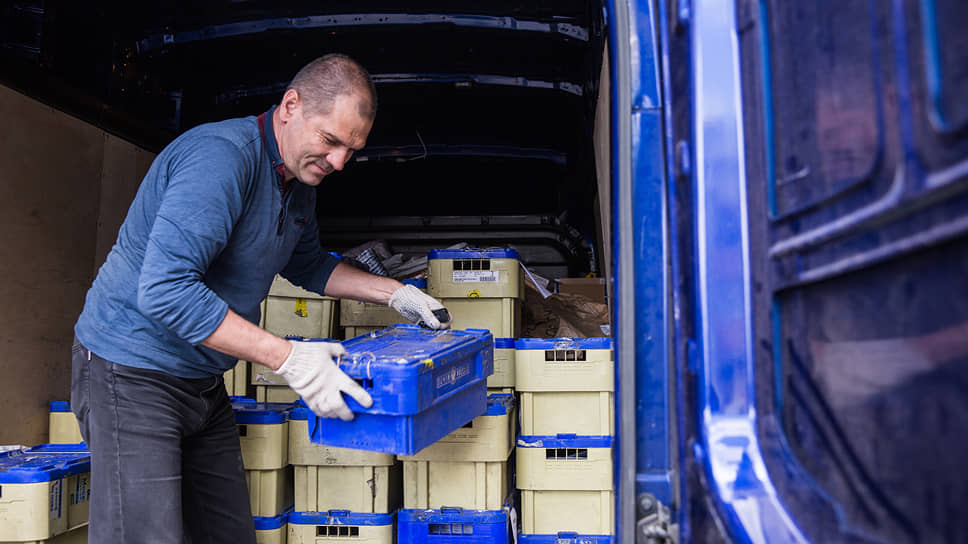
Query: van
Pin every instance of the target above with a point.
(773, 191)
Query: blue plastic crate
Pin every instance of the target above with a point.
(60, 406)
(470, 253)
(565, 538)
(564, 343)
(264, 523)
(44, 463)
(249, 412)
(342, 524)
(424, 384)
(563, 440)
(453, 526)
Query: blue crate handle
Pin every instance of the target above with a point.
(451, 509)
(567, 535)
(567, 436)
(339, 513)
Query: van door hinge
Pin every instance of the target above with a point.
(652, 525)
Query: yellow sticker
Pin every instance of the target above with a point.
(473, 293)
(301, 309)
(429, 363)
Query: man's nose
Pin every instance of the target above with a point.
(337, 158)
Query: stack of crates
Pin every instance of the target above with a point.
(264, 438)
(564, 450)
(63, 424)
(290, 311)
(339, 492)
(358, 318)
(460, 485)
(45, 494)
(481, 288)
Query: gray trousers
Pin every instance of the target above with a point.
(166, 465)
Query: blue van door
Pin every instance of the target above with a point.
(815, 170)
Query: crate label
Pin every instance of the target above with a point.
(449, 378)
(477, 276)
(55, 499)
(81, 490)
(301, 309)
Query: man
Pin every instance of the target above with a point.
(223, 209)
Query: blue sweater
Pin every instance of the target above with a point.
(208, 230)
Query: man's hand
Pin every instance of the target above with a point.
(311, 371)
(419, 307)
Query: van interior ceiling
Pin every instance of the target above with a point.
(485, 130)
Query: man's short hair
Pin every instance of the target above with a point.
(322, 80)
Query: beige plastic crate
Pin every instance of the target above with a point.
(34, 511)
(353, 313)
(294, 311)
(583, 512)
(78, 499)
(264, 446)
(584, 413)
(270, 491)
(485, 438)
(302, 451)
(504, 369)
(275, 393)
(501, 316)
(271, 536)
(64, 428)
(535, 372)
(475, 485)
(236, 379)
(340, 534)
(502, 279)
(561, 469)
(263, 375)
(367, 490)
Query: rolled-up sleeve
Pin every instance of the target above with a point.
(202, 201)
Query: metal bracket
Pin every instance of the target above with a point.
(652, 525)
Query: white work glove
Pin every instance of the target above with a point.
(419, 307)
(311, 371)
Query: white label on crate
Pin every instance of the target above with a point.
(55, 499)
(477, 276)
(80, 490)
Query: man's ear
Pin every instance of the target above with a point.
(290, 104)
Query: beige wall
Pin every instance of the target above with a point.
(64, 188)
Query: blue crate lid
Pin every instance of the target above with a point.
(563, 440)
(499, 404)
(397, 349)
(60, 406)
(452, 515)
(269, 523)
(339, 517)
(504, 343)
(252, 413)
(563, 343)
(470, 253)
(565, 538)
(300, 413)
(80, 447)
(26, 467)
(419, 283)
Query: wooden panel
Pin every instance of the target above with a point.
(65, 187)
(125, 165)
(48, 210)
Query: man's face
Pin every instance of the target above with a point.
(314, 145)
